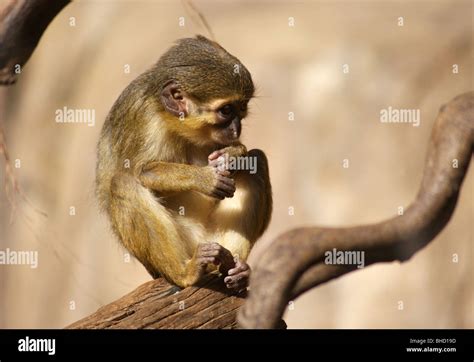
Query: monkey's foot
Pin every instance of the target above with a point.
(214, 253)
(238, 277)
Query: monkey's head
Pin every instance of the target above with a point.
(203, 91)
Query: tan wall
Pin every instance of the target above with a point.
(296, 69)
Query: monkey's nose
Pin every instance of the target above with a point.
(235, 127)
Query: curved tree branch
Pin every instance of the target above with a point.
(22, 23)
(300, 252)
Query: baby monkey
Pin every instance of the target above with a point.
(164, 174)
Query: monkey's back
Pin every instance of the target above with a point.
(123, 135)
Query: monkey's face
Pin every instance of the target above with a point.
(204, 91)
(212, 123)
(227, 117)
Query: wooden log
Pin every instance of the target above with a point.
(158, 304)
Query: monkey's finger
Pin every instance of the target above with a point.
(240, 266)
(236, 284)
(216, 154)
(234, 278)
(208, 260)
(240, 277)
(228, 193)
(225, 187)
(215, 245)
(239, 269)
(219, 162)
(214, 163)
(234, 271)
(240, 281)
(224, 173)
(210, 253)
(201, 247)
(223, 250)
(216, 251)
(228, 189)
(245, 276)
(206, 246)
(229, 283)
(226, 180)
(218, 194)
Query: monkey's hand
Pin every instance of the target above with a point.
(217, 183)
(214, 253)
(238, 277)
(220, 158)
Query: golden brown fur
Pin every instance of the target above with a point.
(154, 177)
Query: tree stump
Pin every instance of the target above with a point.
(158, 304)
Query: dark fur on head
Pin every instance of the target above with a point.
(204, 70)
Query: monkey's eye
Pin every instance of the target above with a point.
(226, 111)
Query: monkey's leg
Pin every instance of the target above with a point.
(244, 217)
(152, 234)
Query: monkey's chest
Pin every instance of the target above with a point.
(192, 206)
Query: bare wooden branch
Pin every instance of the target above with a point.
(294, 263)
(157, 304)
(22, 23)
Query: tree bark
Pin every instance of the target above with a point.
(158, 304)
(22, 23)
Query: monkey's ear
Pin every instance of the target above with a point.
(173, 99)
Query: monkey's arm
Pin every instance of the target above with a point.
(166, 177)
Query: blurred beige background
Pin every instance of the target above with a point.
(297, 69)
